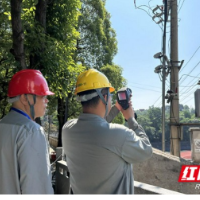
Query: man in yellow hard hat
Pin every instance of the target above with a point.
(100, 154)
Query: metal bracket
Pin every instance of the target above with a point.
(170, 95)
(177, 64)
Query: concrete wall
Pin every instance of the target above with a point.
(62, 185)
(163, 170)
(143, 188)
(53, 142)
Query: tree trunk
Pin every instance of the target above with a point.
(61, 119)
(18, 34)
(40, 13)
(40, 17)
(66, 110)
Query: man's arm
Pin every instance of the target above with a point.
(137, 146)
(112, 114)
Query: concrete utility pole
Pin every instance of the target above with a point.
(164, 76)
(174, 108)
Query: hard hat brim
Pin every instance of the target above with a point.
(49, 93)
(111, 89)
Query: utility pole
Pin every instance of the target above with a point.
(164, 76)
(174, 85)
(162, 56)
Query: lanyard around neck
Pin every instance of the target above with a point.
(21, 112)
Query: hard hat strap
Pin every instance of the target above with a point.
(32, 106)
(102, 98)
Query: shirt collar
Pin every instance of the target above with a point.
(88, 116)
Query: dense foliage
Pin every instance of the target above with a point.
(61, 39)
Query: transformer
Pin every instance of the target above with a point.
(197, 102)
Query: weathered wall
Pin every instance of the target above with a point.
(163, 170)
(144, 188)
(53, 142)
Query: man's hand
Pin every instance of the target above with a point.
(128, 113)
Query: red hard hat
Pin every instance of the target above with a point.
(28, 81)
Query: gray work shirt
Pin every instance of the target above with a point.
(24, 158)
(100, 155)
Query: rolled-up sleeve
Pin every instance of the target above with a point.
(112, 114)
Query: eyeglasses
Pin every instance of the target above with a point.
(109, 95)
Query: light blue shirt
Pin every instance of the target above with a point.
(24, 158)
(100, 155)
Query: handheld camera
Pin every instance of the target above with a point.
(123, 97)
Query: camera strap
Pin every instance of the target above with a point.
(104, 101)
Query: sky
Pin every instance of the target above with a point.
(139, 38)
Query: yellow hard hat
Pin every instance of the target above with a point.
(92, 79)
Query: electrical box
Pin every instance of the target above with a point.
(197, 102)
(195, 144)
(62, 178)
(59, 153)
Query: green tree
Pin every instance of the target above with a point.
(46, 41)
(187, 114)
(146, 124)
(7, 61)
(114, 75)
(186, 107)
(151, 121)
(155, 116)
(97, 44)
(61, 39)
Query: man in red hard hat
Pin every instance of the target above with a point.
(24, 159)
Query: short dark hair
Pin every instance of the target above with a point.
(95, 100)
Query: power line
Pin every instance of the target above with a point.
(187, 91)
(191, 71)
(181, 5)
(188, 95)
(145, 88)
(143, 84)
(159, 105)
(188, 86)
(190, 59)
(193, 81)
(149, 8)
(189, 100)
(157, 100)
(189, 76)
